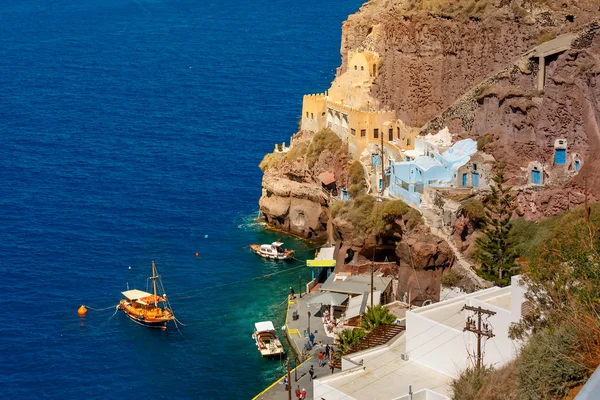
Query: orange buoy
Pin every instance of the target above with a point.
(196, 255)
(82, 311)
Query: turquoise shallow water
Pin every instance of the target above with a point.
(129, 130)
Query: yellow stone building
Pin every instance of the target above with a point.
(348, 109)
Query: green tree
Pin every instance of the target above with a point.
(377, 316)
(350, 338)
(495, 250)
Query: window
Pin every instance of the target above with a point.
(307, 114)
(376, 133)
(362, 68)
(312, 116)
(474, 167)
(398, 132)
(355, 67)
(363, 133)
(391, 134)
(353, 132)
(577, 165)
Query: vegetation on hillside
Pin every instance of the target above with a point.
(495, 250)
(561, 323)
(299, 150)
(370, 217)
(356, 173)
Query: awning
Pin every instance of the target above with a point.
(326, 178)
(320, 263)
(135, 294)
(264, 326)
(357, 305)
(328, 299)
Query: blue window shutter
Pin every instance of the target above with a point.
(475, 179)
(535, 177)
(561, 156)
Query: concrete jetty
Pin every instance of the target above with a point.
(294, 332)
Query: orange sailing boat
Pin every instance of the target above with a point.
(148, 309)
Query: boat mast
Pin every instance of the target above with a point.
(154, 277)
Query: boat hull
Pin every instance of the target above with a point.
(147, 321)
(286, 255)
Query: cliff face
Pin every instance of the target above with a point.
(461, 65)
(293, 198)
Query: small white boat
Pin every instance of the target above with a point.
(266, 339)
(274, 251)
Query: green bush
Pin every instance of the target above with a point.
(377, 316)
(336, 208)
(270, 160)
(350, 338)
(484, 141)
(356, 172)
(451, 278)
(468, 384)
(546, 366)
(475, 211)
(323, 140)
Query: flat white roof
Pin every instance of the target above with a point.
(387, 376)
(135, 294)
(264, 326)
(325, 253)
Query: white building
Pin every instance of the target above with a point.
(431, 353)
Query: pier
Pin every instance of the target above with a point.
(301, 360)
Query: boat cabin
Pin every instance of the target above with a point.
(275, 248)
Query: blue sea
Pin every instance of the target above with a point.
(131, 131)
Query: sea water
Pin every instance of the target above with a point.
(131, 131)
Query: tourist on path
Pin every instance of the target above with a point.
(312, 339)
(292, 294)
(321, 363)
(298, 393)
(311, 372)
(327, 348)
(303, 394)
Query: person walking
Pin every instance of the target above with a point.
(312, 338)
(321, 363)
(311, 372)
(298, 393)
(327, 348)
(303, 394)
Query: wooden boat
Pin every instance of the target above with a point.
(145, 308)
(274, 251)
(266, 339)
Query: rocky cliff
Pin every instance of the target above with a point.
(464, 64)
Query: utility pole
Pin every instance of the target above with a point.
(289, 388)
(486, 331)
(382, 168)
(372, 267)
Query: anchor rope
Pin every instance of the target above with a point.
(100, 309)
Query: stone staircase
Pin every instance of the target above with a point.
(433, 220)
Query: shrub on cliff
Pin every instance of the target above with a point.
(323, 140)
(370, 217)
(270, 160)
(475, 211)
(356, 173)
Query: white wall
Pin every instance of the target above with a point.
(435, 345)
(500, 349)
(323, 391)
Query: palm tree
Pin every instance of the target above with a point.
(377, 316)
(350, 338)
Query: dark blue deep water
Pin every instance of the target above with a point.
(129, 130)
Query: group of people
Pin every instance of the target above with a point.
(329, 321)
(300, 395)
